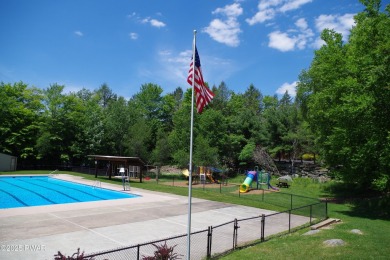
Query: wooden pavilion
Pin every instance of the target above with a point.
(134, 165)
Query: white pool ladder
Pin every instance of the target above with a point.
(126, 184)
(125, 179)
(97, 184)
(53, 173)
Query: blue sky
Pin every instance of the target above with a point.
(127, 43)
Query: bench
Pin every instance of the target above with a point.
(282, 184)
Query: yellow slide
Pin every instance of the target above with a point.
(186, 172)
(210, 176)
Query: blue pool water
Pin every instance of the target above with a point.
(29, 191)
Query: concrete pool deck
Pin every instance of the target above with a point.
(39, 232)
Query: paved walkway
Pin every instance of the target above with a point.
(39, 232)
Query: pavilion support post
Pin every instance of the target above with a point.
(110, 171)
(96, 169)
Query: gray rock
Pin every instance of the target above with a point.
(357, 231)
(311, 232)
(334, 242)
(285, 178)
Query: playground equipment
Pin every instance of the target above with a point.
(261, 178)
(248, 181)
(195, 176)
(186, 173)
(206, 172)
(202, 173)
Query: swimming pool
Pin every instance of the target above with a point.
(26, 191)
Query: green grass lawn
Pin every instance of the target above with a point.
(371, 216)
(372, 244)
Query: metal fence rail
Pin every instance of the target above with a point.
(279, 198)
(217, 240)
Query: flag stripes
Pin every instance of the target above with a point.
(203, 94)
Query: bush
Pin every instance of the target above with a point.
(163, 252)
(308, 157)
(75, 256)
(381, 183)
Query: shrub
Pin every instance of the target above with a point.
(308, 157)
(163, 252)
(75, 256)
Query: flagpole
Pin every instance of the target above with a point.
(190, 166)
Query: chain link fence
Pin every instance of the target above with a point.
(217, 240)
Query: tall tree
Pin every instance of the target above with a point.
(150, 108)
(90, 137)
(105, 95)
(116, 125)
(221, 97)
(345, 96)
(211, 135)
(179, 137)
(61, 122)
(20, 113)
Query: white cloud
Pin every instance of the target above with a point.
(318, 43)
(133, 36)
(281, 41)
(224, 31)
(305, 34)
(264, 4)
(290, 88)
(153, 22)
(227, 30)
(301, 24)
(340, 23)
(261, 16)
(78, 33)
(134, 14)
(183, 59)
(157, 23)
(173, 66)
(268, 9)
(293, 4)
(230, 10)
(299, 38)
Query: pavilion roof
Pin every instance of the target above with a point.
(112, 158)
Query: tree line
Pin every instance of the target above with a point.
(341, 113)
(50, 126)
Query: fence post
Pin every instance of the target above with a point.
(262, 228)
(311, 212)
(326, 209)
(239, 193)
(263, 195)
(291, 201)
(220, 187)
(289, 221)
(138, 252)
(235, 235)
(209, 240)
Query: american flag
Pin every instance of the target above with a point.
(203, 93)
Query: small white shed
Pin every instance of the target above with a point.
(7, 162)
